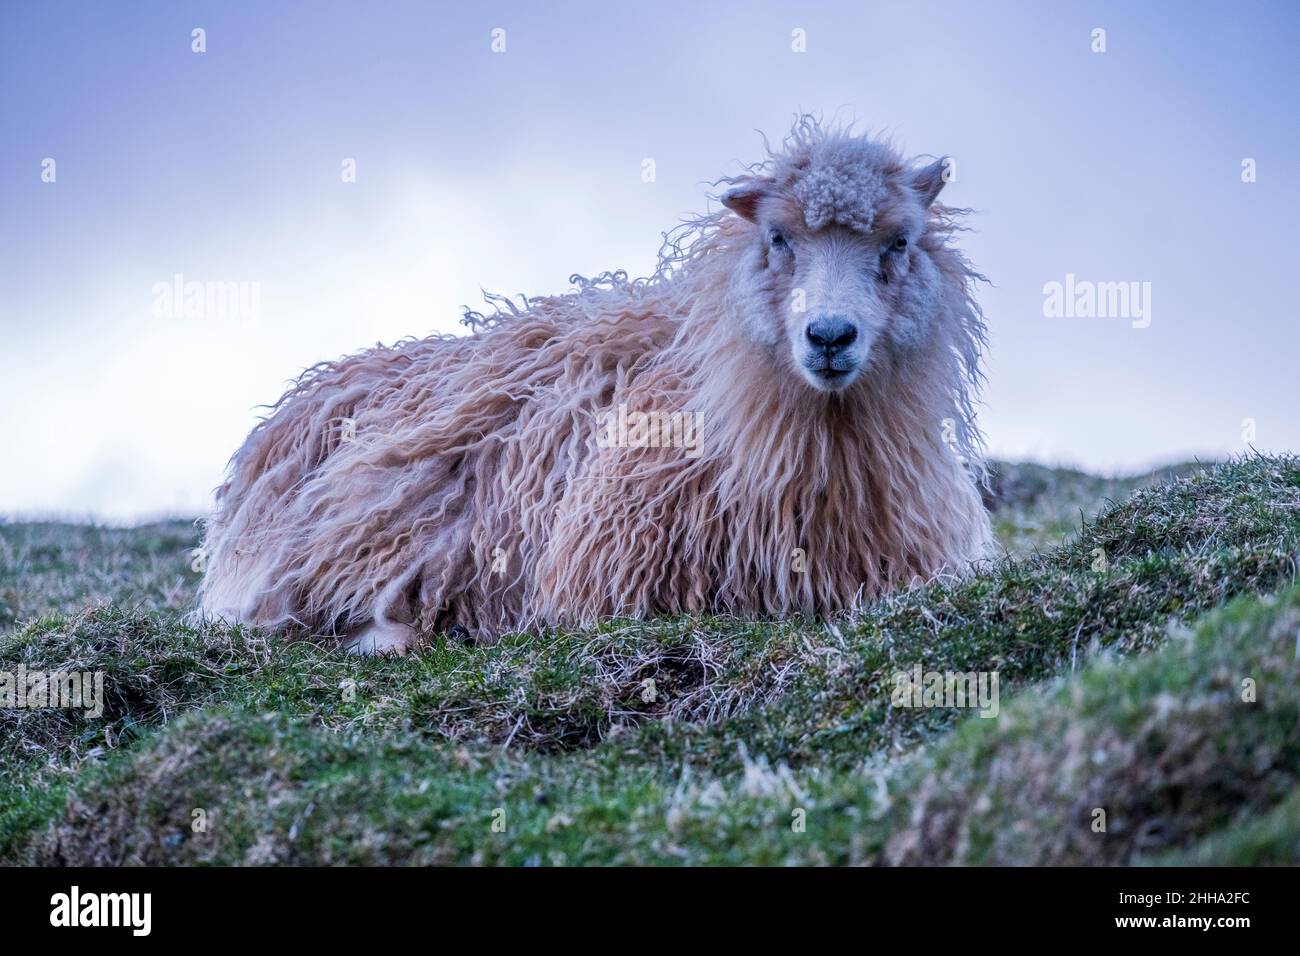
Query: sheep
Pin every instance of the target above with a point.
(818, 337)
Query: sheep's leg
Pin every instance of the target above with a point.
(382, 637)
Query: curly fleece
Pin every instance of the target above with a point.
(844, 182)
(458, 481)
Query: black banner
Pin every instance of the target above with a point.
(336, 905)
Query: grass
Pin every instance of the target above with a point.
(1119, 651)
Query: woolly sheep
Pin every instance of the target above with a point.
(778, 421)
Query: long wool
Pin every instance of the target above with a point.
(459, 481)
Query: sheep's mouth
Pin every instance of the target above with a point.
(830, 378)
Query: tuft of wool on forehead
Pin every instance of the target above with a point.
(838, 179)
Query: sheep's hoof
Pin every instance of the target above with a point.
(460, 633)
(386, 638)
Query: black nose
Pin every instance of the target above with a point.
(831, 333)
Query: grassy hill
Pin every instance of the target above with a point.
(1143, 633)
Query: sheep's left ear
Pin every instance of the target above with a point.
(743, 199)
(928, 180)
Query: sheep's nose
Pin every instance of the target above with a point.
(831, 333)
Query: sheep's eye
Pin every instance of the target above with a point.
(899, 244)
(776, 240)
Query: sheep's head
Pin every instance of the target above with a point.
(839, 263)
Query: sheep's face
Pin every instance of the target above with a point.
(838, 269)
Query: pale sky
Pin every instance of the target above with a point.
(510, 171)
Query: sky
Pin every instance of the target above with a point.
(367, 169)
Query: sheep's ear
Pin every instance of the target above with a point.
(928, 180)
(743, 199)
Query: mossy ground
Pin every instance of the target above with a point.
(1146, 664)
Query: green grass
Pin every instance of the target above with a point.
(1119, 653)
(50, 568)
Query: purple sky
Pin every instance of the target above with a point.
(510, 171)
